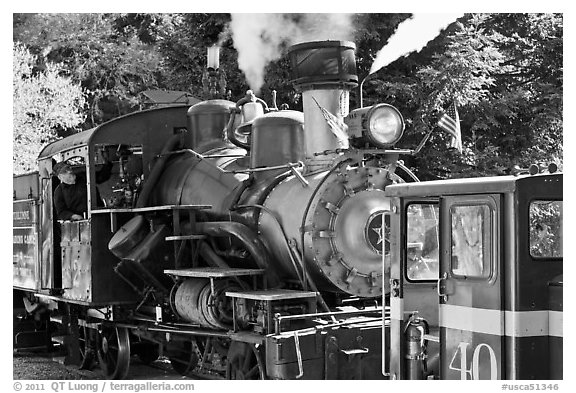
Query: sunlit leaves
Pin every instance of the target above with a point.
(43, 102)
(113, 68)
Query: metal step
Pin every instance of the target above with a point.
(213, 272)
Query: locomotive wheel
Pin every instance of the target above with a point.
(244, 362)
(87, 352)
(184, 359)
(114, 352)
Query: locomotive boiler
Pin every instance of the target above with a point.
(312, 206)
(286, 196)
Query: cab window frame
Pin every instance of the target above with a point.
(435, 205)
(489, 239)
(529, 233)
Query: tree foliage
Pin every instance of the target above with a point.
(504, 71)
(111, 61)
(43, 102)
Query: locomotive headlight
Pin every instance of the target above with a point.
(385, 125)
(380, 125)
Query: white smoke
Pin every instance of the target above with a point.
(260, 38)
(412, 35)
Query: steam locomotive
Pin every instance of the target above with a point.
(243, 241)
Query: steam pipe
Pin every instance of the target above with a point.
(290, 166)
(246, 236)
(211, 257)
(154, 174)
(310, 282)
(211, 216)
(180, 151)
(290, 251)
(214, 260)
(239, 231)
(360, 89)
(407, 171)
(230, 130)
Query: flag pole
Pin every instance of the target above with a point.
(421, 144)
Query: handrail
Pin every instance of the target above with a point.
(278, 319)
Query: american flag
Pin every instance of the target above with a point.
(450, 122)
(336, 125)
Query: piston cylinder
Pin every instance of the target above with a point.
(197, 301)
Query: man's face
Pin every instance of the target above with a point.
(67, 177)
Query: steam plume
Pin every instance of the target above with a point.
(260, 38)
(412, 35)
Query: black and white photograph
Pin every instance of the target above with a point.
(242, 194)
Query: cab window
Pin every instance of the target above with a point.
(422, 261)
(121, 188)
(471, 240)
(546, 229)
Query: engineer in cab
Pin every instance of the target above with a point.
(70, 197)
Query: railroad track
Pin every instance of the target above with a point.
(41, 365)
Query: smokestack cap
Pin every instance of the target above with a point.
(324, 62)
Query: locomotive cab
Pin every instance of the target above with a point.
(74, 260)
(476, 285)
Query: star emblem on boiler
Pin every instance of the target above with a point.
(374, 232)
(379, 234)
